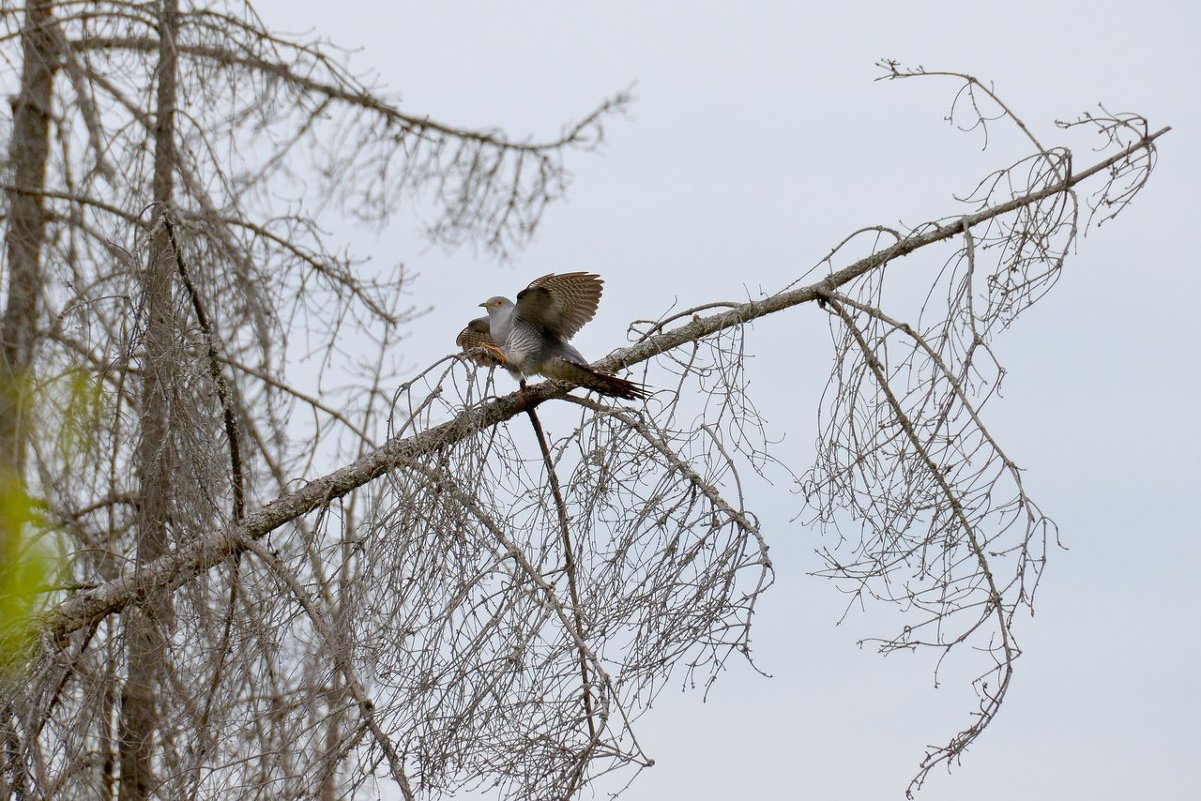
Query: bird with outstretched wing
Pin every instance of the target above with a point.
(529, 337)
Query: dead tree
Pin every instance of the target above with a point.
(462, 603)
(161, 247)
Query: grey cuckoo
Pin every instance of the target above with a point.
(529, 337)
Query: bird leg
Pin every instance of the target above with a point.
(495, 351)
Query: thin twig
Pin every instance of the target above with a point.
(569, 565)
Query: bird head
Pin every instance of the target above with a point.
(497, 302)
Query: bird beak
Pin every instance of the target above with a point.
(483, 305)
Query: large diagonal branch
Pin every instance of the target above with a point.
(177, 568)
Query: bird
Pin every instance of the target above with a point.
(529, 337)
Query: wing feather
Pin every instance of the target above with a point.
(477, 337)
(560, 302)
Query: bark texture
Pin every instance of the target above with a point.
(148, 622)
(27, 154)
(23, 281)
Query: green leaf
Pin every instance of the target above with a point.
(24, 568)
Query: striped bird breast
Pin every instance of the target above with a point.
(528, 348)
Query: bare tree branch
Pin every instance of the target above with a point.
(214, 548)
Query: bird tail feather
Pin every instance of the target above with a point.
(594, 380)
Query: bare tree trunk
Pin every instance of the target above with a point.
(147, 626)
(27, 152)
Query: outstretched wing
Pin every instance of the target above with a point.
(476, 338)
(561, 303)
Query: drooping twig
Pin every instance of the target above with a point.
(569, 563)
(237, 475)
(224, 395)
(337, 652)
(995, 600)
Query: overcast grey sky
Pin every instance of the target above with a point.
(758, 141)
